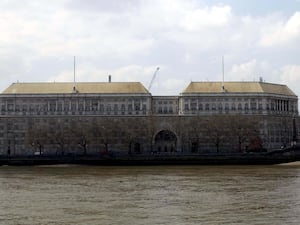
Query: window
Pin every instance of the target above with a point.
(129, 108)
(227, 107)
(200, 107)
(194, 106)
(10, 107)
(24, 108)
(186, 107)
(52, 106)
(137, 106)
(116, 109)
(66, 106)
(144, 107)
(240, 107)
(220, 107)
(80, 107)
(213, 107)
(73, 106)
(59, 107)
(123, 108)
(272, 106)
(108, 108)
(233, 107)
(165, 109)
(253, 105)
(207, 106)
(94, 105)
(101, 108)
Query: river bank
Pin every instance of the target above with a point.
(269, 158)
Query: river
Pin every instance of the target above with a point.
(87, 195)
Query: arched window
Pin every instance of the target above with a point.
(220, 107)
(240, 107)
(233, 106)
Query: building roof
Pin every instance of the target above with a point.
(237, 87)
(81, 87)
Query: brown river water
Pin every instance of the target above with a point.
(87, 195)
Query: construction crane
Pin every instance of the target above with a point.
(153, 77)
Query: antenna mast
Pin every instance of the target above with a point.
(74, 88)
(74, 71)
(223, 89)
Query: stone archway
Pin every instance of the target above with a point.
(165, 141)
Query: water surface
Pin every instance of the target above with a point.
(65, 195)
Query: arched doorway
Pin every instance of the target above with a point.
(165, 141)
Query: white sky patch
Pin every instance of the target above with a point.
(185, 38)
(163, 86)
(204, 17)
(131, 73)
(250, 71)
(282, 33)
(290, 74)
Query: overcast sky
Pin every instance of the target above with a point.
(129, 39)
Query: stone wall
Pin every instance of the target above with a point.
(144, 134)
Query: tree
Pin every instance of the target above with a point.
(82, 135)
(244, 128)
(216, 127)
(37, 137)
(61, 134)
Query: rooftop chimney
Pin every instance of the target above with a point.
(109, 78)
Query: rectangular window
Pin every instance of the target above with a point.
(10, 107)
(207, 106)
(94, 105)
(116, 109)
(59, 107)
(73, 106)
(186, 107)
(129, 107)
(194, 106)
(80, 106)
(200, 106)
(144, 107)
(101, 108)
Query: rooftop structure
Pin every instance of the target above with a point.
(80, 87)
(238, 87)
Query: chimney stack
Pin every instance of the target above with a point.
(109, 78)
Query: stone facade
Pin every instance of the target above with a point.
(96, 118)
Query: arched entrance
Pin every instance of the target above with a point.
(165, 141)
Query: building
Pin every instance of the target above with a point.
(123, 117)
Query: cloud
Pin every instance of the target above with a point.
(129, 39)
(282, 32)
(103, 5)
(198, 18)
(250, 71)
(290, 74)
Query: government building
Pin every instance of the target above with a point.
(124, 118)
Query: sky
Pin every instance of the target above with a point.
(129, 39)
